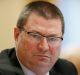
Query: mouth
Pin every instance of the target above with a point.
(44, 56)
(41, 56)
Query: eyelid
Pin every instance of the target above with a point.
(40, 35)
(37, 33)
(51, 35)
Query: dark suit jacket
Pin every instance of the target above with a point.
(9, 65)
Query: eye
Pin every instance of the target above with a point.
(51, 39)
(34, 35)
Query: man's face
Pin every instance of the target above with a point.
(40, 55)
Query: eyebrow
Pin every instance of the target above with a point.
(50, 35)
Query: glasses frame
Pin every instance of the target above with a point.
(23, 29)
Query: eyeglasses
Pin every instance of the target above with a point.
(37, 37)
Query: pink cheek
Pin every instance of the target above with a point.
(54, 50)
(31, 46)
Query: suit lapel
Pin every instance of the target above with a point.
(53, 72)
(15, 62)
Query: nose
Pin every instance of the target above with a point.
(43, 45)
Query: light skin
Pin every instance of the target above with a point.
(38, 57)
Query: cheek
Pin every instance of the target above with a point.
(25, 49)
(26, 44)
(31, 46)
(28, 48)
(55, 51)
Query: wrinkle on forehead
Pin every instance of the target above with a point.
(47, 26)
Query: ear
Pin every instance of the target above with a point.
(16, 33)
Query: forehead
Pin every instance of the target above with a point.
(38, 23)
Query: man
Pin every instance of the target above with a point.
(38, 36)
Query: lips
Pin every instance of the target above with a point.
(41, 55)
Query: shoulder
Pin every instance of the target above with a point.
(5, 57)
(6, 53)
(65, 67)
(4, 61)
(9, 64)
